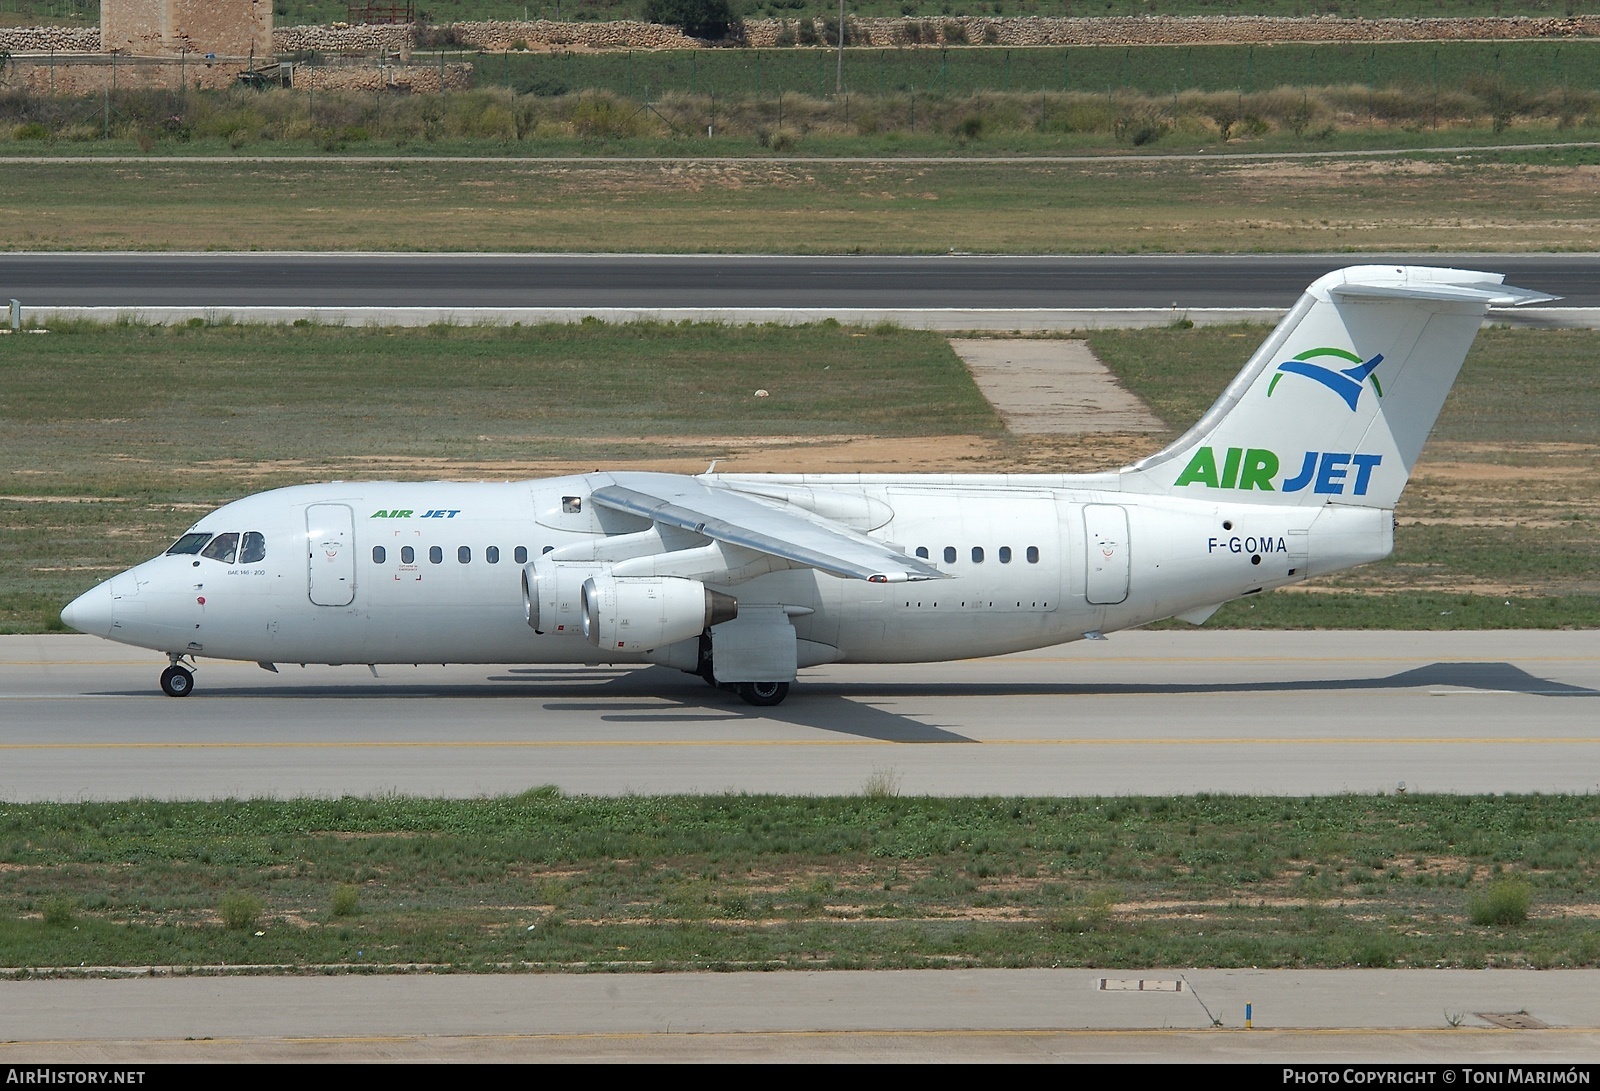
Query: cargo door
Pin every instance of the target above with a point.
(1105, 529)
(331, 554)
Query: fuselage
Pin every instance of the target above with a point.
(400, 572)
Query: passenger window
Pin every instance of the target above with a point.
(977, 554)
(1005, 554)
(189, 543)
(379, 555)
(254, 548)
(546, 549)
(520, 554)
(949, 554)
(435, 555)
(1033, 554)
(922, 551)
(464, 554)
(492, 554)
(222, 548)
(407, 555)
(571, 505)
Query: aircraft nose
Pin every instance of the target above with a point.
(91, 612)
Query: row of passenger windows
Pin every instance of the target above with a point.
(491, 554)
(248, 547)
(1003, 553)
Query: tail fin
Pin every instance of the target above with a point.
(1335, 405)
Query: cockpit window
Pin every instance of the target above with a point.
(254, 547)
(222, 548)
(189, 543)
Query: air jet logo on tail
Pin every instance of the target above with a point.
(1345, 382)
(1331, 473)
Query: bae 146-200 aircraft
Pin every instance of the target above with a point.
(746, 579)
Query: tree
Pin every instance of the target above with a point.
(698, 18)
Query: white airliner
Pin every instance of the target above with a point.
(746, 578)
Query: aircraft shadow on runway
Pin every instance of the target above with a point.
(659, 695)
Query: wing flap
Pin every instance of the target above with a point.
(743, 520)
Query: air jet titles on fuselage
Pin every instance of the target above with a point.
(408, 513)
(1330, 472)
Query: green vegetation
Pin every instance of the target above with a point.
(1504, 905)
(648, 883)
(1511, 200)
(239, 912)
(296, 12)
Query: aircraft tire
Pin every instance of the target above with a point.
(177, 682)
(763, 694)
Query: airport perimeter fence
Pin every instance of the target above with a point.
(1152, 70)
(1419, 67)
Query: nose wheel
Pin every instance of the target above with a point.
(177, 681)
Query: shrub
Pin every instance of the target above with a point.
(1504, 904)
(955, 33)
(698, 18)
(33, 130)
(239, 911)
(345, 898)
(58, 912)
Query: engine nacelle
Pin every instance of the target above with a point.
(551, 594)
(639, 613)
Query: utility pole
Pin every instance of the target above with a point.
(838, 78)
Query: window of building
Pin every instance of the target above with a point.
(379, 554)
(435, 555)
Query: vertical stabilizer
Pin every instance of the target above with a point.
(1335, 405)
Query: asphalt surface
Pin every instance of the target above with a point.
(1326, 1016)
(721, 282)
(1142, 712)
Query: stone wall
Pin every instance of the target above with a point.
(418, 78)
(83, 75)
(763, 33)
(50, 39)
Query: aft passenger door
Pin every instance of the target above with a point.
(330, 554)
(1105, 532)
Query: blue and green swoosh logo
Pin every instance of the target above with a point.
(1346, 382)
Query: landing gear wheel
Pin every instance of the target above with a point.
(763, 694)
(177, 681)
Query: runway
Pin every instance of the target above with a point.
(1282, 713)
(726, 282)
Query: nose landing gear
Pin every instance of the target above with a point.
(177, 680)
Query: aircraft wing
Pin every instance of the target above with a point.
(726, 516)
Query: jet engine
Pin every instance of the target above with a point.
(639, 613)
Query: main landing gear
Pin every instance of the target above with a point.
(760, 694)
(177, 680)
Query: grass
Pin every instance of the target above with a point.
(544, 882)
(1515, 201)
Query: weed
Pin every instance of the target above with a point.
(59, 912)
(239, 911)
(1505, 904)
(882, 783)
(346, 899)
